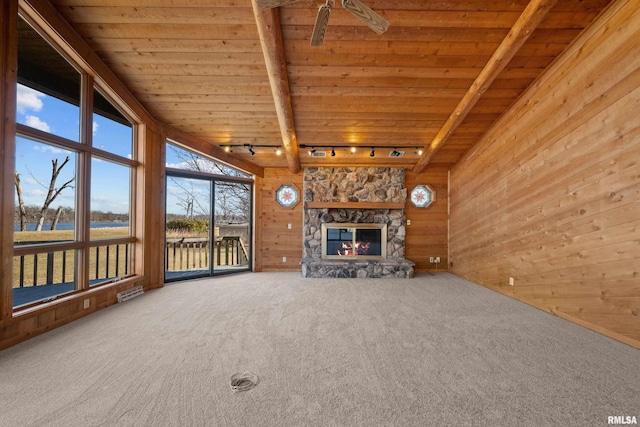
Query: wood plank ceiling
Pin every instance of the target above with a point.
(198, 66)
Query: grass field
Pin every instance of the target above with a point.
(67, 235)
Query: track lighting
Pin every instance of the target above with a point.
(333, 152)
(373, 152)
(353, 149)
(278, 151)
(313, 150)
(394, 153)
(253, 153)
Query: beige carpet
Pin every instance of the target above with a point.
(435, 350)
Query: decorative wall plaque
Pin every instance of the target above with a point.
(287, 196)
(423, 195)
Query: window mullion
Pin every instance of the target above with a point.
(84, 183)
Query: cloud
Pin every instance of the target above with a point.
(175, 190)
(95, 127)
(197, 164)
(109, 203)
(28, 99)
(181, 165)
(43, 148)
(104, 199)
(36, 123)
(34, 193)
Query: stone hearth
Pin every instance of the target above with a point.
(361, 269)
(362, 186)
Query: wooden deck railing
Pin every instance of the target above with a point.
(193, 253)
(110, 261)
(105, 262)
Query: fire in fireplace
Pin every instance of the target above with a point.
(368, 241)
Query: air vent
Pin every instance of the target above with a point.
(319, 154)
(130, 293)
(396, 153)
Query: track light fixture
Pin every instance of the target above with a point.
(251, 148)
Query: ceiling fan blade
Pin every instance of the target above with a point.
(270, 4)
(374, 21)
(320, 28)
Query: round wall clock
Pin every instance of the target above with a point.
(287, 196)
(423, 195)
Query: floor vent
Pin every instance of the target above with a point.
(130, 293)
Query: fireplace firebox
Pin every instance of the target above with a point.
(349, 241)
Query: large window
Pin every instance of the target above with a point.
(74, 167)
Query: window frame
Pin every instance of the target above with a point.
(85, 152)
(213, 178)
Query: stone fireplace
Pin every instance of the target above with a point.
(354, 207)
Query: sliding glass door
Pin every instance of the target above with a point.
(232, 232)
(207, 227)
(187, 231)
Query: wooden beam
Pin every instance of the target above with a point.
(519, 33)
(268, 22)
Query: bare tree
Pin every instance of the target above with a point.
(52, 193)
(56, 218)
(233, 200)
(190, 198)
(21, 209)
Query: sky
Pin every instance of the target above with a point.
(110, 182)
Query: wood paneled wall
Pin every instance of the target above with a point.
(426, 236)
(273, 238)
(550, 196)
(8, 76)
(150, 207)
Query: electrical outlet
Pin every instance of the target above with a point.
(437, 259)
(512, 281)
(284, 259)
(408, 222)
(431, 259)
(87, 303)
(289, 226)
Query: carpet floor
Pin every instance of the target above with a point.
(432, 351)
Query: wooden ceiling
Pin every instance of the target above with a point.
(199, 66)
